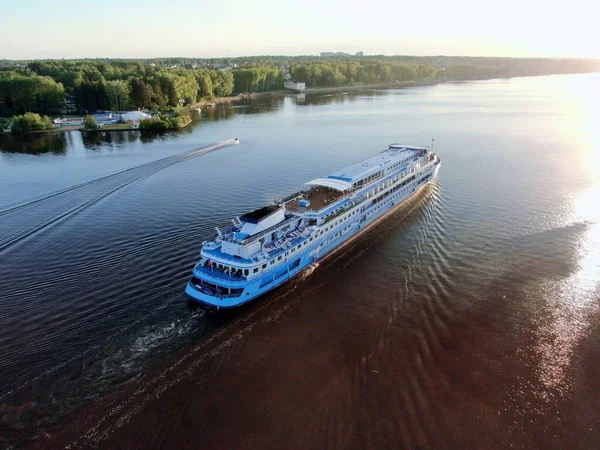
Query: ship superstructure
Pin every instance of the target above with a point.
(266, 247)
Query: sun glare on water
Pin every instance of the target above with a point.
(571, 301)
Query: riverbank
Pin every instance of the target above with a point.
(232, 98)
(112, 127)
(361, 87)
(208, 103)
(317, 90)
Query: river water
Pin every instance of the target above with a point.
(468, 318)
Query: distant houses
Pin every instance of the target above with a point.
(217, 65)
(70, 122)
(104, 118)
(333, 54)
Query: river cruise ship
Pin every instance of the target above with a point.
(266, 247)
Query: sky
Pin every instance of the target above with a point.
(220, 28)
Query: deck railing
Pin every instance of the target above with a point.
(217, 274)
(231, 238)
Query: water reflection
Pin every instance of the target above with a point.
(152, 136)
(343, 97)
(34, 144)
(567, 318)
(98, 140)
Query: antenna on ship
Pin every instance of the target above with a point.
(432, 141)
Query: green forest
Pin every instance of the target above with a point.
(347, 72)
(52, 87)
(44, 86)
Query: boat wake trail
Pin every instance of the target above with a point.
(22, 221)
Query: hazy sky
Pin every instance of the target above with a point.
(212, 28)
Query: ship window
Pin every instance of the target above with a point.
(264, 266)
(246, 272)
(272, 261)
(255, 270)
(279, 258)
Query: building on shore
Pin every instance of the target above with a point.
(294, 86)
(133, 117)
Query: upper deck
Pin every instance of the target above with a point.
(345, 182)
(318, 196)
(395, 155)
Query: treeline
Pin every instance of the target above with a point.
(22, 91)
(177, 119)
(369, 70)
(120, 85)
(342, 72)
(86, 86)
(117, 86)
(257, 79)
(31, 122)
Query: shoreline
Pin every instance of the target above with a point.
(403, 84)
(316, 90)
(97, 130)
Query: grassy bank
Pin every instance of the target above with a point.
(113, 127)
(362, 87)
(232, 98)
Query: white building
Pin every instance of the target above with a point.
(134, 116)
(294, 86)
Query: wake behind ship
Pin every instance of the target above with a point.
(266, 247)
